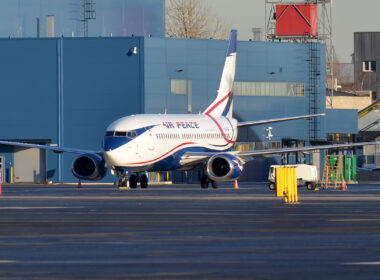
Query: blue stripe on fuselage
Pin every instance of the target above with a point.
(172, 162)
(232, 43)
(111, 143)
(228, 106)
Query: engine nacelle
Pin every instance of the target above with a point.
(224, 167)
(90, 167)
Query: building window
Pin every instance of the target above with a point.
(269, 89)
(178, 87)
(183, 87)
(369, 66)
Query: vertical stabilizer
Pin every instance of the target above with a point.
(223, 104)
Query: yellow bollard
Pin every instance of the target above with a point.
(11, 175)
(279, 181)
(293, 184)
(286, 183)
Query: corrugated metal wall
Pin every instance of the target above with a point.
(68, 90)
(366, 48)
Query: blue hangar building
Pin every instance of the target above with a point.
(66, 91)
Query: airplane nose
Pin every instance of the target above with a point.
(109, 157)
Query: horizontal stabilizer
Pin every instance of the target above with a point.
(252, 123)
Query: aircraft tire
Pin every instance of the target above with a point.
(204, 182)
(133, 181)
(214, 185)
(144, 181)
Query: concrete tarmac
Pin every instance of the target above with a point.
(184, 232)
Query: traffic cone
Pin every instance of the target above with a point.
(79, 184)
(343, 187)
(236, 185)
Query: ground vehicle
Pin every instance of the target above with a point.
(307, 175)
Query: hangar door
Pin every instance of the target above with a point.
(29, 165)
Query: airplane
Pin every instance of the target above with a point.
(163, 142)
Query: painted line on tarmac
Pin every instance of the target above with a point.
(123, 262)
(7, 261)
(36, 207)
(363, 263)
(143, 197)
(354, 220)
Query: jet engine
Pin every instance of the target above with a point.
(90, 167)
(224, 167)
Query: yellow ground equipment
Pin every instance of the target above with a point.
(286, 183)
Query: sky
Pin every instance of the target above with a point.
(348, 16)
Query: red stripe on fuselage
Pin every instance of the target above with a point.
(218, 125)
(221, 130)
(219, 102)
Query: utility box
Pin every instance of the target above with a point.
(296, 20)
(350, 168)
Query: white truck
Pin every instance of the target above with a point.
(307, 175)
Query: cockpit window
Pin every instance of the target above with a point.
(130, 134)
(120, 133)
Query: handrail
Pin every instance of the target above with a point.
(370, 125)
(369, 108)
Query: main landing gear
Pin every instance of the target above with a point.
(134, 179)
(205, 180)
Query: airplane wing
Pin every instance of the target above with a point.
(252, 123)
(249, 154)
(199, 157)
(50, 148)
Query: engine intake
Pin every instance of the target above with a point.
(224, 167)
(90, 167)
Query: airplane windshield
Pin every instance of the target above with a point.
(130, 134)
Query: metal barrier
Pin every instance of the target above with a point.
(286, 184)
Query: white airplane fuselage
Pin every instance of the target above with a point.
(155, 142)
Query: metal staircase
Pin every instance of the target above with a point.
(314, 65)
(369, 122)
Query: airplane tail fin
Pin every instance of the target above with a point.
(223, 104)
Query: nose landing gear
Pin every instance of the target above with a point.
(205, 180)
(133, 179)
